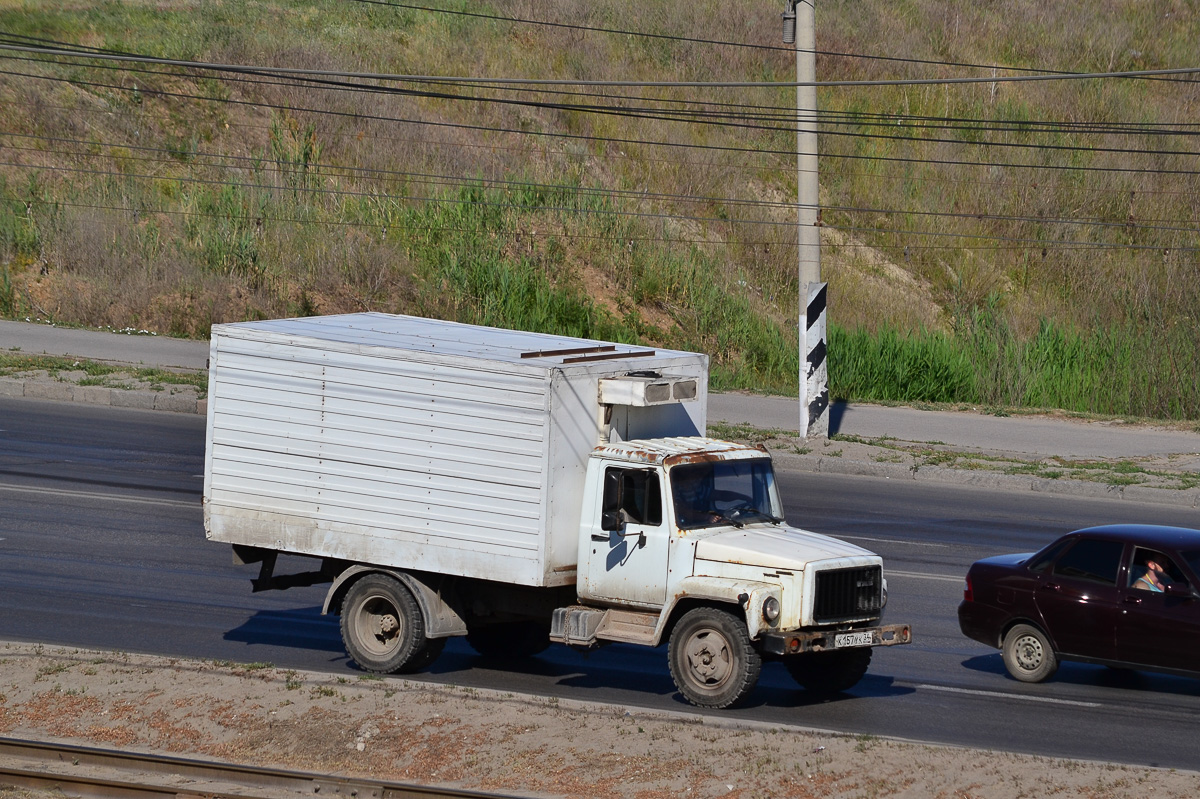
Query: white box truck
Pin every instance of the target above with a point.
(521, 489)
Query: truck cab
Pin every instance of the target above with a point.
(680, 529)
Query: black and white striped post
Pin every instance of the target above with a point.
(814, 374)
(799, 28)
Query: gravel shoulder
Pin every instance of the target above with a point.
(396, 729)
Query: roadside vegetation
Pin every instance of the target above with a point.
(94, 373)
(1011, 244)
(1166, 473)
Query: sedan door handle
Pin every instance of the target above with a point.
(1133, 600)
(1051, 587)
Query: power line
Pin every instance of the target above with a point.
(1091, 189)
(666, 115)
(1019, 244)
(1134, 225)
(706, 114)
(383, 76)
(708, 147)
(334, 170)
(776, 113)
(720, 42)
(389, 175)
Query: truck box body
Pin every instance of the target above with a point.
(423, 444)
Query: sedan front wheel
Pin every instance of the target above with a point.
(1028, 655)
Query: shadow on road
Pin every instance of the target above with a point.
(619, 672)
(1098, 676)
(301, 628)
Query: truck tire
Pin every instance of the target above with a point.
(510, 641)
(829, 672)
(382, 627)
(712, 660)
(1028, 655)
(432, 650)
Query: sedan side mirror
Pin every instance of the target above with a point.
(1179, 590)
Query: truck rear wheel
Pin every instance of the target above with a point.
(382, 627)
(712, 660)
(829, 672)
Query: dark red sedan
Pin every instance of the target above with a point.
(1121, 595)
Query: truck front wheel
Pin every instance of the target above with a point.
(382, 627)
(829, 672)
(712, 660)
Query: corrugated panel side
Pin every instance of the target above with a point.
(377, 460)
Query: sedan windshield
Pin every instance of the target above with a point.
(725, 492)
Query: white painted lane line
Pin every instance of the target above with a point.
(924, 576)
(1002, 695)
(891, 541)
(62, 492)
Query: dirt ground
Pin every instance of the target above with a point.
(394, 729)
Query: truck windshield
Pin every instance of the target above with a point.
(725, 492)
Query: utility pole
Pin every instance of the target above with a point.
(799, 27)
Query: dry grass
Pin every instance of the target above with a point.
(361, 208)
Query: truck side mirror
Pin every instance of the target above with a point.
(612, 520)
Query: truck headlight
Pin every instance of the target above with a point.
(770, 609)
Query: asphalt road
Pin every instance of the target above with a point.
(102, 545)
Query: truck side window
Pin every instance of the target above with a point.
(635, 491)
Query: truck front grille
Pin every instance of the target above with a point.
(844, 594)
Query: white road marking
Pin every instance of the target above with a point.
(1003, 695)
(891, 541)
(923, 576)
(60, 492)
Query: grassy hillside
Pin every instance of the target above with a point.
(1010, 243)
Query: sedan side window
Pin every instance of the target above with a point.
(1043, 559)
(1091, 560)
(1153, 571)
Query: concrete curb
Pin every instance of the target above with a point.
(138, 399)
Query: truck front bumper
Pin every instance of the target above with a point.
(794, 643)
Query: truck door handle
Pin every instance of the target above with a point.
(599, 537)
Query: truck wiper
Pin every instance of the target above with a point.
(743, 512)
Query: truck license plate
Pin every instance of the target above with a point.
(853, 639)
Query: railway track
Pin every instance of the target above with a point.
(89, 772)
